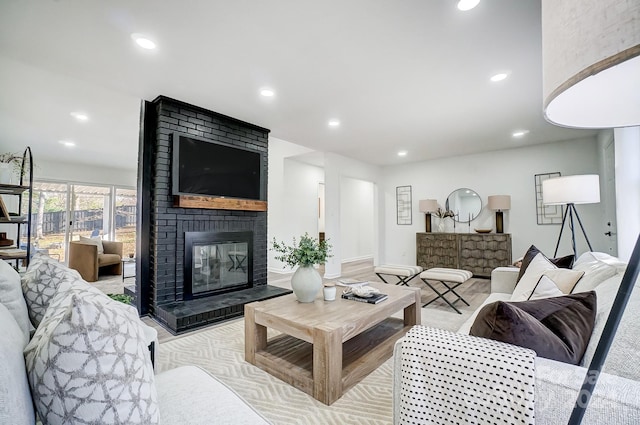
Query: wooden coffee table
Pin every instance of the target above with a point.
(326, 347)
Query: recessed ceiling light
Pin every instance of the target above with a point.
(499, 77)
(465, 5)
(267, 92)
(80, 116)
(334, 123)
(402, 153)
(67, 143)
(519, 133)
(143, 41)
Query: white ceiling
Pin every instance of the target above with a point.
(410, 74)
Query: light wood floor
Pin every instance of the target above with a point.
(475, 291)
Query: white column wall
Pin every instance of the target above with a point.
(292, 197)
(356, 219)
(627, 153)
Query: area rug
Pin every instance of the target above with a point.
(220, 351)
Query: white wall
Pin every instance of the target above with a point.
(627, 147)
(356, 219)
(507, 172)
(292, 197)
(337, 168)
(69, 172)
(293, 202)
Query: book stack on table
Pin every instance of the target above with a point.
(371, 299)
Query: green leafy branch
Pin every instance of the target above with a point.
(307, 252)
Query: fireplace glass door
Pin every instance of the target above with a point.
(217, 266)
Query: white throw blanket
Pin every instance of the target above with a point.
(450, 378)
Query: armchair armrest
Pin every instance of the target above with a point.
(111, 247)
(84, 258)
(503, 279)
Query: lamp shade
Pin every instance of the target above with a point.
(581, 189)
(428, 205)
(499, 202)
(591, 62)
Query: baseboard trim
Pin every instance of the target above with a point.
(354, 259)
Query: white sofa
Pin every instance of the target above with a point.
(185, 395)
(616, 399)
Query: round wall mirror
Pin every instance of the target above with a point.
(465, 204)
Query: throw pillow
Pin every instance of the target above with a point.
(536, 268)
(557, 328)
(545, 288)
(11, 297)
(595, 272)
(562, 280)
(561, 262)
(89, 363)
(93, 241)
(40, 284)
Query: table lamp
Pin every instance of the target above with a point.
(499, 203)
(428, 206)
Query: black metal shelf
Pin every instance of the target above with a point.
(12, 189)
(18, 190)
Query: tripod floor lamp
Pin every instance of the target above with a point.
(569, 191)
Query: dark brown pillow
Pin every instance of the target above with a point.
(557, 328)
(561, 262)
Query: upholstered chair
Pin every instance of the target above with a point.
(84, 258)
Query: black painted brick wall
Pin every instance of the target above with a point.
(169, 223)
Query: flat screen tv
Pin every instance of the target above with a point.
(206, 168)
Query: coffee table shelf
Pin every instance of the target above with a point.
(325, 348)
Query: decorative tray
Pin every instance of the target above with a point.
(483, 230)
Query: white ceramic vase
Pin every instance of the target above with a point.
(306, 283)
(441, 225)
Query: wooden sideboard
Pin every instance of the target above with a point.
(477, 252)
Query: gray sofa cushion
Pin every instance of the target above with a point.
(16, 407)
(11, 297)
(190, 395)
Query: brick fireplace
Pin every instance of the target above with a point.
(227, 249)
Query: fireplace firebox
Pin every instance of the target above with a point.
(217, 262)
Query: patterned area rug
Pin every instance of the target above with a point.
(220, 350)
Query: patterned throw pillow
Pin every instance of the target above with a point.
(40, 284)
(88, 363)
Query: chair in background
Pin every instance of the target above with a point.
(84, 258)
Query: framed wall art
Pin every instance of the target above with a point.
(546, 214)
(403, 205)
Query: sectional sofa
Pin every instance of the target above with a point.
(70, 354)
(616, 399)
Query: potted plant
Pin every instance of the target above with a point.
(10, 164)
(306, 281)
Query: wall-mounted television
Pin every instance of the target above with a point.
(206, 168)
